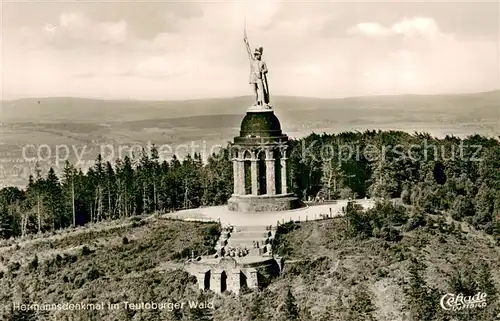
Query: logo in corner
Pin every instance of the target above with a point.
(453, 302)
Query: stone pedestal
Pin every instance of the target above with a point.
(263, 203)
(261, 133)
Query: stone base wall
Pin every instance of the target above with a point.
(221, 278)
(252, 278)
(257, 204)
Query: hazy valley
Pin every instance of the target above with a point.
(86, 125)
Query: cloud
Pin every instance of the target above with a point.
(144, 18)
(408, 27)
(370, 29)
(151, 51)
(165, 66)
(85, 74)
(309, 69)
(166, 42)
(75, 29)
(416, 26)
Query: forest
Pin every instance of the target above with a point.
(459, 176)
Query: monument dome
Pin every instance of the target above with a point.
(260, 124)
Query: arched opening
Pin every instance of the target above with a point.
(207, 281)
(243, 280)
(261, 170)
(277, 171)
(247, 171)
(223, 281)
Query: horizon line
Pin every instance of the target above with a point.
(249, 96)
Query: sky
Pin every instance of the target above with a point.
(157, 50)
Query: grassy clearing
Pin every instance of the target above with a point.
(330, 275)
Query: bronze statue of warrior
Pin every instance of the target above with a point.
(258, 78)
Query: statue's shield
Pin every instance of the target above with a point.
(265, 89)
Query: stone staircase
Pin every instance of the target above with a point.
(236, 268)
(245, 237)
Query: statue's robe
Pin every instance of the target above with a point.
(258, 76)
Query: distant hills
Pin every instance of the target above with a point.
(91, 123)
(461, 107)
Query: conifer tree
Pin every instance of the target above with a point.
(421, 298)
(288, 309)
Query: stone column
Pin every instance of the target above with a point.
(201, 279)
(241, 176)
(236, 180)
(271, 188)
(255, 181)
(234, 284)
(284, 183)
(215, 281)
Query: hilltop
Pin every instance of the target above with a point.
(331, 274)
